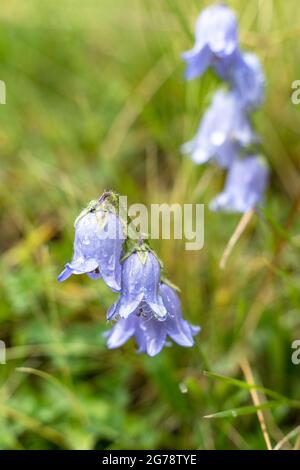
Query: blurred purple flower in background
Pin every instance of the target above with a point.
(97, 248)
(244, 187)
(216, 39)
(151, 334)
(140, 287)
(249, 81)
(246, 78)
(223, 131)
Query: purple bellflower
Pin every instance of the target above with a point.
(223, 131)
(97, 247)
(151, 334)
(249, 81)
(246, 77)
(244, 187)
(139, 288)
(216, 40)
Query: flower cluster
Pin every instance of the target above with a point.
(225, 134)
(148, 307)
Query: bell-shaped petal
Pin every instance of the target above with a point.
(97, 248)
(246, 77)
(153, 335)
(121, 332)
(223, 131)
(197, 60)
(139, 286)
(177, 328)
(216, 39)
(150, 333)
(244, 188)
(249, 81)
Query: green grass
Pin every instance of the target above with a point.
(96, 100)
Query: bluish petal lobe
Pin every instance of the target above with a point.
(249, 81)
(121, 332)
(197, 60)
(177, 328)
(155, 335)
(244, 188)
(65, 274)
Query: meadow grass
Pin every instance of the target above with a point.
(96, 100)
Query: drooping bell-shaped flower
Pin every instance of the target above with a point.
(139, 287)
(244, 188)
(151, 334)
(249, 81)
(223, 131)
(97, 247)
(216, 40)
(246, 77)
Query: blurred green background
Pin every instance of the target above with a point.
(96, 100)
